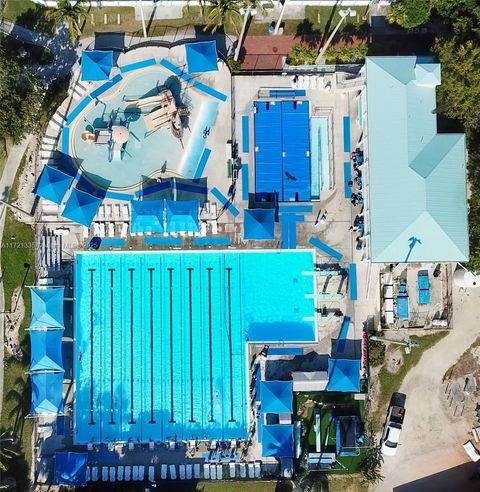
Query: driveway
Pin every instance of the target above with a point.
(431, 456)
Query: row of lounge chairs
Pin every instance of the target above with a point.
(107, 229)
(184, 471)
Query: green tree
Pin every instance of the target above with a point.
(372, 462)
(20, 99)
(301, 55)
(221, 13)
(73, 14)
(8, 449)
(409, 13)
(346, 54)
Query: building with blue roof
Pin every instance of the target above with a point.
(416, 197)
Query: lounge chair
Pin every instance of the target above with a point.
(94, 473)
(189, 471)
(116, 211)
(231, 467)
(163, 471)
(173, 472)
(105, 473)
(128, 473)
(111, 229)
(206, 471)
(102, 232)
(196, 470)
(126, 211)
(151, 474)
(89, 474)
(181, 471)
(135, 472)
(243, 470)
(251, 470)
(219, 472)
(112, 474)
(213, 471)
(120, 470)
(141, 472)
(257, 469)
(90, 444)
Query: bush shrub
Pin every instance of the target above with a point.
(301, 55)
(376, 353)
(346, 54)
(409, 13)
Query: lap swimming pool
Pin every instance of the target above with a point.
(160, 338)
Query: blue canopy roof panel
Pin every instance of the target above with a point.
(71, 468)
(259, 224)
(277, 396)
(47, 307)
(52, 184)
(202, 56)
(47, 393)
(147, 216)
(81, 207)
(182, 216)
(282, 149)
(277, 441)
(96, 65)
(46, 350)
(343, 375)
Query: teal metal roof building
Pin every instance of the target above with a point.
(417, 198)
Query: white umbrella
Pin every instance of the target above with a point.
(120, 134)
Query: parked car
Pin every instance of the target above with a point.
(393, 424)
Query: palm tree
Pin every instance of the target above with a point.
(71, 14)
(250, 7)
(220, 13)
(8, 449)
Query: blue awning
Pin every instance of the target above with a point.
(147, 216)
(81, 207)
(47, 393)
(46, 350)
(202, 56)
(277, 441)
(71, 468)
(277, 396)
(259, 224)
(182, 216)
(96, 65)
(343, 375)
(47, 307)
(52, 184)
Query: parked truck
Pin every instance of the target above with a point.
(393, 424)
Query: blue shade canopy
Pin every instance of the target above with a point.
(202, 57)
(343, 375)
(277, 441)
(71, 468)
(47, 307)
(46, 350)
(182, 216)
(52, 184)
(147, 216)
(276, 396)
(96, 65)
(259, 224)
(81, 207)
(47, 388)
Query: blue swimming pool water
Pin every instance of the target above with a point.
(319, 155)
(145, 154)
(160, 338)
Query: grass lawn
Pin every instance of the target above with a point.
(28, 14)
(390, 383)
(332, 405)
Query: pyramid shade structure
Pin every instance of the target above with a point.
(53, 184)
(343, 375)
(47, 307)
(259, 224)
(276, 396)
(182, 216)
(96, 65)
(46, 350)
(47, 393)
(147, 216)
(277, 441)
(81, 207)
(202, 57)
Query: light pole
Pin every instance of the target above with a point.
(277, 25)
(142, 15)
(246, 14)
(343, 15)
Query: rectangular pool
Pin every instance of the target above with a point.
(160, 338)
(320, 155)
